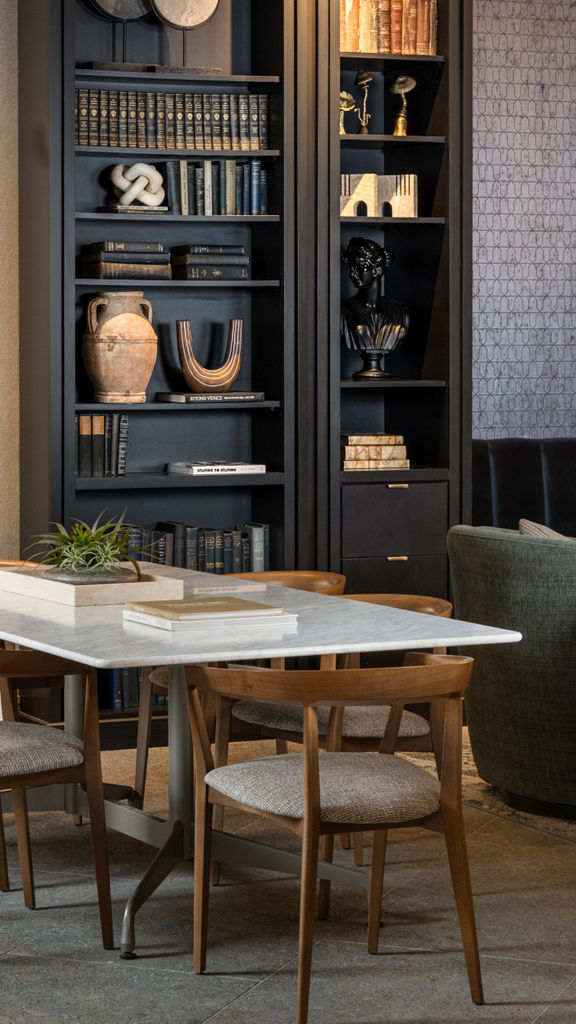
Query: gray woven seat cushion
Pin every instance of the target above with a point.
(362, 789)
(362, 722)
(28, 748)
(159, 676)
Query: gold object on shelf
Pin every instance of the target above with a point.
(364, 79)
(198, 378)
(400, 86)
(347, 102)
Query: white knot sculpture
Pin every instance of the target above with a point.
(140, 183)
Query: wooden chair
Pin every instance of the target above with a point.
(34, 755)
(359, 790)
(155, 680)
(362, 728)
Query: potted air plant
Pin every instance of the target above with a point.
(88, 554)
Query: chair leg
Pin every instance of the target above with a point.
(359, 849)
(326, 854)
(281, 746)
(307, 900)
(376, 886)
(221, 746)
(202, 852)
(462, 886)
(143, 737)
(345, 840)
(23, 840)
(4, 882)
(101, 859)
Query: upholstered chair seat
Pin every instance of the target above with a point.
(357, 723)
(27, 748)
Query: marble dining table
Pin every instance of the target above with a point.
(99, 637)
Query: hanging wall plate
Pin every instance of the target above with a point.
(123, 10)
(184, 13)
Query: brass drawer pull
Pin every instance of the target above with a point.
(396, 486)
(396, 558)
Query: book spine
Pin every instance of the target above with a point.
(253, 121)
(225, 117)
(218, 551)
(246, 189)
(84, 445)
(239, 189)
(221, 259)
(103, 117)
(151, 136)
(263, 120)
(353, 26)
(243, 122)
(198, 121)
(191, 189)
(227, 554)
(364, 25)
(343, 32)
(183, 176)
(375, 464)
(222, 186)
(210, 551)
(115, 423)
(395, 26)
(373, 26)
(158, 541)
(98, 445)
(188, 120)
(236, 550)
(113, 118)
(172, 186)
(234, 122)
(216, 117)
(433, 27)
(372, 438)
(183, 272)
(132, 119)
(215, 187)
(170, 120)
(135, 541)
(191, 547)
(83, 107)
(108, 444)
(179, 531)
(257, 548)
(383, 26)
(123, 246)
(373, 451)
(141, 121)
(160, 120)
(179, 123)
(93, 117)
(199, 180)
(263, 191)
(246, 553)
(230, 188)
(123, 428)
(123, 119)
(201, 549)
(207, 111)
(255, 170)
(409, 25)
(129, 271)
(208, 208)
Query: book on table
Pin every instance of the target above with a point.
(219, 612)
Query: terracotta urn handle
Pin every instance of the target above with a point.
(94, 305)
(147, 307)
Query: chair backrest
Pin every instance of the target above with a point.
(331, 583)
(409, 602)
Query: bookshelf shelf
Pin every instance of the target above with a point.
(160, 154)
(396, 221)
(174, 77)
(186, 407)
(407, 476)
(379, 61)
(159, 481)
(148, 283)
(379, 141)
(178, 218)
(390, 382)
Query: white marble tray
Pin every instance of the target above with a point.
(31, 582)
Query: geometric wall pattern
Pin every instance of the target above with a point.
(524, 219)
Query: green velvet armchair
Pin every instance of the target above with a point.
(521, 703)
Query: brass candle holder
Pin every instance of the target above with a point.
(347, 102)
(402, 85)
(364, 79)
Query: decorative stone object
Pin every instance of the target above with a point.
(123, 10)
(185, 13)
(199, 379)
(383, 195)
(119, 346)
(138, 183)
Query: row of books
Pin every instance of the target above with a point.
(101, 444)
(119, 689)
(216, 187)
(151, 260)
(389, 26)
(373, 452)
(171, 120)
(243, 548)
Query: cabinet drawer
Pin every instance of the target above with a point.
(385, 519)
(420, 574)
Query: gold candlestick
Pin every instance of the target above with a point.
(402, 85)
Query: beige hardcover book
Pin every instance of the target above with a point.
(375, 464)
(216, 607)
(343, 32)
(409, 22)
(352, 16)
(382, 452)
(364, 25)
(423, 27)
(372, 438)
(383, 26)
(433, 27)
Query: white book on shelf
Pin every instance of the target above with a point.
(207, 468)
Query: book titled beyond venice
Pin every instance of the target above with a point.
(216, 612)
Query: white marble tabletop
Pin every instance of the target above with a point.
(100, 638)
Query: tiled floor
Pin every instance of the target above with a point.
(53, 970)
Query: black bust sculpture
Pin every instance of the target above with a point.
(371, 323)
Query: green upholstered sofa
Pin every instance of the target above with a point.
(521, 703)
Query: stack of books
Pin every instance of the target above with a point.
(373, 452)
(125, 260)
(209, 262)
(220, 613)
(217, 550)
(388, 26)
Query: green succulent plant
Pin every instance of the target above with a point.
(99, 546)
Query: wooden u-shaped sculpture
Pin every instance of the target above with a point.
(197, 377)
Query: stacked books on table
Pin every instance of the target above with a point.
(206, 262)
(129, 260)
(218, 613)
(213, 468)
(373, 452)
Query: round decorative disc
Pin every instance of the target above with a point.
(184, 13)
(123, 10)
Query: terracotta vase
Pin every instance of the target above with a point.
(119, 346)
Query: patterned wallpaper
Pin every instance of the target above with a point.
(524, 289)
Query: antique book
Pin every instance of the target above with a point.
(216, 114)
(195, 272)
(373, 451)
(123, 428)
(260, 539)
(230, 189)
(207, 183)
(93, 117)
(253, 121)
(375, 464)
(129, 271)
(160, 120)
(98, 445)
(116, 246)
(84, 445)
(132, 119)
(433, 27)
(83, 104)
(103, 117)
(183, 174)
(189, 121)
(423, 27)
(234, 122)
(113, 137)
(383, 26)
(207, 120)
(179, 123)
(395, 26)
(141, 118)
(409, 25)
(169, 121)
(93, 255)
(122, 118)
(214, 468)
(372, 438)
(243, 122)
(364, 25)
(151, 137)
(352, 30)
(210, 258)
(198, 121)
(225, 121)
(263, 119)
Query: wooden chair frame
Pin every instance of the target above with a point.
(18, 668)
(441, 680)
